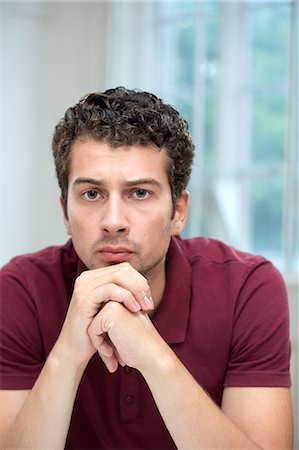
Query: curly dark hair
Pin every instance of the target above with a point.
(126, 117)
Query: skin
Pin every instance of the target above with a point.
(115, 209)
(121, 225)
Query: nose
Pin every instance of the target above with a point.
(114, 220)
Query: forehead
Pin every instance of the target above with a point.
(98, 159)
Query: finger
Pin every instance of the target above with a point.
(125, 276)
(131, 280)
(113, 292)
(105, 349)
(119, 359)
(110, 362)
(99, 338)
(108, 354)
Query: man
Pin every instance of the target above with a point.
(194, 333)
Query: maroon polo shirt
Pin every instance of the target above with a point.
(224, 313)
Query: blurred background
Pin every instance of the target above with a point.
(230, 68)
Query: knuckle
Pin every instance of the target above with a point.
(128, 298)
(82, 276)
(126, 267)
(79, 291)
(80, 280)
(113, 306)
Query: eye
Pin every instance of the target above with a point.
(141, 194)
(92, 194)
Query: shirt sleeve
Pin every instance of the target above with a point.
(21, 348)
(260, 345)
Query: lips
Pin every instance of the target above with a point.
(115, 253)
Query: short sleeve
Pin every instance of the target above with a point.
(260, 345)
(21, 349)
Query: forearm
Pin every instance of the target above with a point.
(192, 418)
(44, 419)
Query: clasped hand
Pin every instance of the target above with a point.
(121, 336)
(107, 313)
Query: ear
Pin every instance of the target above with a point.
(65, 218)
(181, 213)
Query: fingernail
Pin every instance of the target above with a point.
(148, 301)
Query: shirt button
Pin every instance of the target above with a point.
(129, 399)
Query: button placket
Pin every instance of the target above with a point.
(129, 401)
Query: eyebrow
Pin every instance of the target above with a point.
(99, 182)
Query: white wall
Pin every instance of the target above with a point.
(51, 55)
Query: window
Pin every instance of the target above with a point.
(231, 69)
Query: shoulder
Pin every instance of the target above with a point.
(38, 270)
(46, 254)
(221, 271)
(209, 254)
(243, 297)
(45, 258)
(216, 251)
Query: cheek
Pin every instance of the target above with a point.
(78, 225)
(160, 229)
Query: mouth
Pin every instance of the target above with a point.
(115, 254)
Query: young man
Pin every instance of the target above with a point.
(194, 333)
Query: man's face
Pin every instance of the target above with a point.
(119, 206)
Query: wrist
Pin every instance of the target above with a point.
(62, 358)
(160, 360)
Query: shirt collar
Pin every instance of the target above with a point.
(171, 319)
